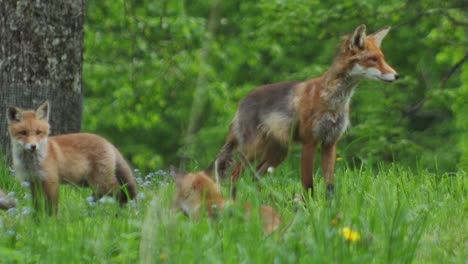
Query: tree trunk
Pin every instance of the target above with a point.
(41, 57)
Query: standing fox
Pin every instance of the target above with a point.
(80, 159)
(311, 112)
(194, 188)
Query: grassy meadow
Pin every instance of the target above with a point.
(392, 215)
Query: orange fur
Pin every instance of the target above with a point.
(311, 112)
(192, 189)
(79, 159)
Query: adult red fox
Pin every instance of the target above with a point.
(192, 189)
(310, 112)
(80, 159)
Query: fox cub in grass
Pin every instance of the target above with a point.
(310, 112)
(79, 159)
(194, 188)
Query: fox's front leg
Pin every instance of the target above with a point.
(307, 167)
(328, 166)
(37, 196)
(44, 197)
(51, 196)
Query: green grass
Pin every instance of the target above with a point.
(402, 217)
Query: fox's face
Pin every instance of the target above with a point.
(192, 189)
(29, 129)
(365, 56)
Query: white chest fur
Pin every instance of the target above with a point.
(329, 127)
(28, 165)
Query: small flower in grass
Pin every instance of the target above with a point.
(11, 232)
(107, 199)
(148, 177)
(12, 171)
(350, 235)
(26, 211)
(139, 180)
(147, 183)
(141, 196)
(11, 194)
(12, 211)
(25, 184)
(298, 198)
(270, 170)
(161, 172)
(339, 158)
(132, 203)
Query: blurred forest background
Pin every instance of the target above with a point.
(162, 79)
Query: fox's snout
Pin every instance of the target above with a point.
(390, 77)
(31, 147)
(388, 74)
(385, 73)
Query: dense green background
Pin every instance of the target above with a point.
(163, 78)
(162, 81)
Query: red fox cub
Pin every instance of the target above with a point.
(310, 112)
(194, 188)
(79, 159)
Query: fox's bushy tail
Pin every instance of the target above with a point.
(224, 158)
(128, 187)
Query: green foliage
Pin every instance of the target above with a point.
(401, 218)
(163, 79)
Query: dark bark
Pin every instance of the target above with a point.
(41, 55)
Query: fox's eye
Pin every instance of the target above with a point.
(23, 132)
(373, 59)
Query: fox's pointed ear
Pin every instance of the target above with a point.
(380, 35)
(177, 173)
(358, 38)
(42, 111)
(14, 114)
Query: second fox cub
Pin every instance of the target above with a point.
(78, 159)
(194, 188)
(311, 112)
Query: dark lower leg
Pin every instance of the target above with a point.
(307, 168)
(328, 165)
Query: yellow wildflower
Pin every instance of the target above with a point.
(350, 235)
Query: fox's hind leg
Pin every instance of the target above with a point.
(274, 154)
(110, 187)
(239, 168)
(103, 182)
(307, 167)
(235, 174)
